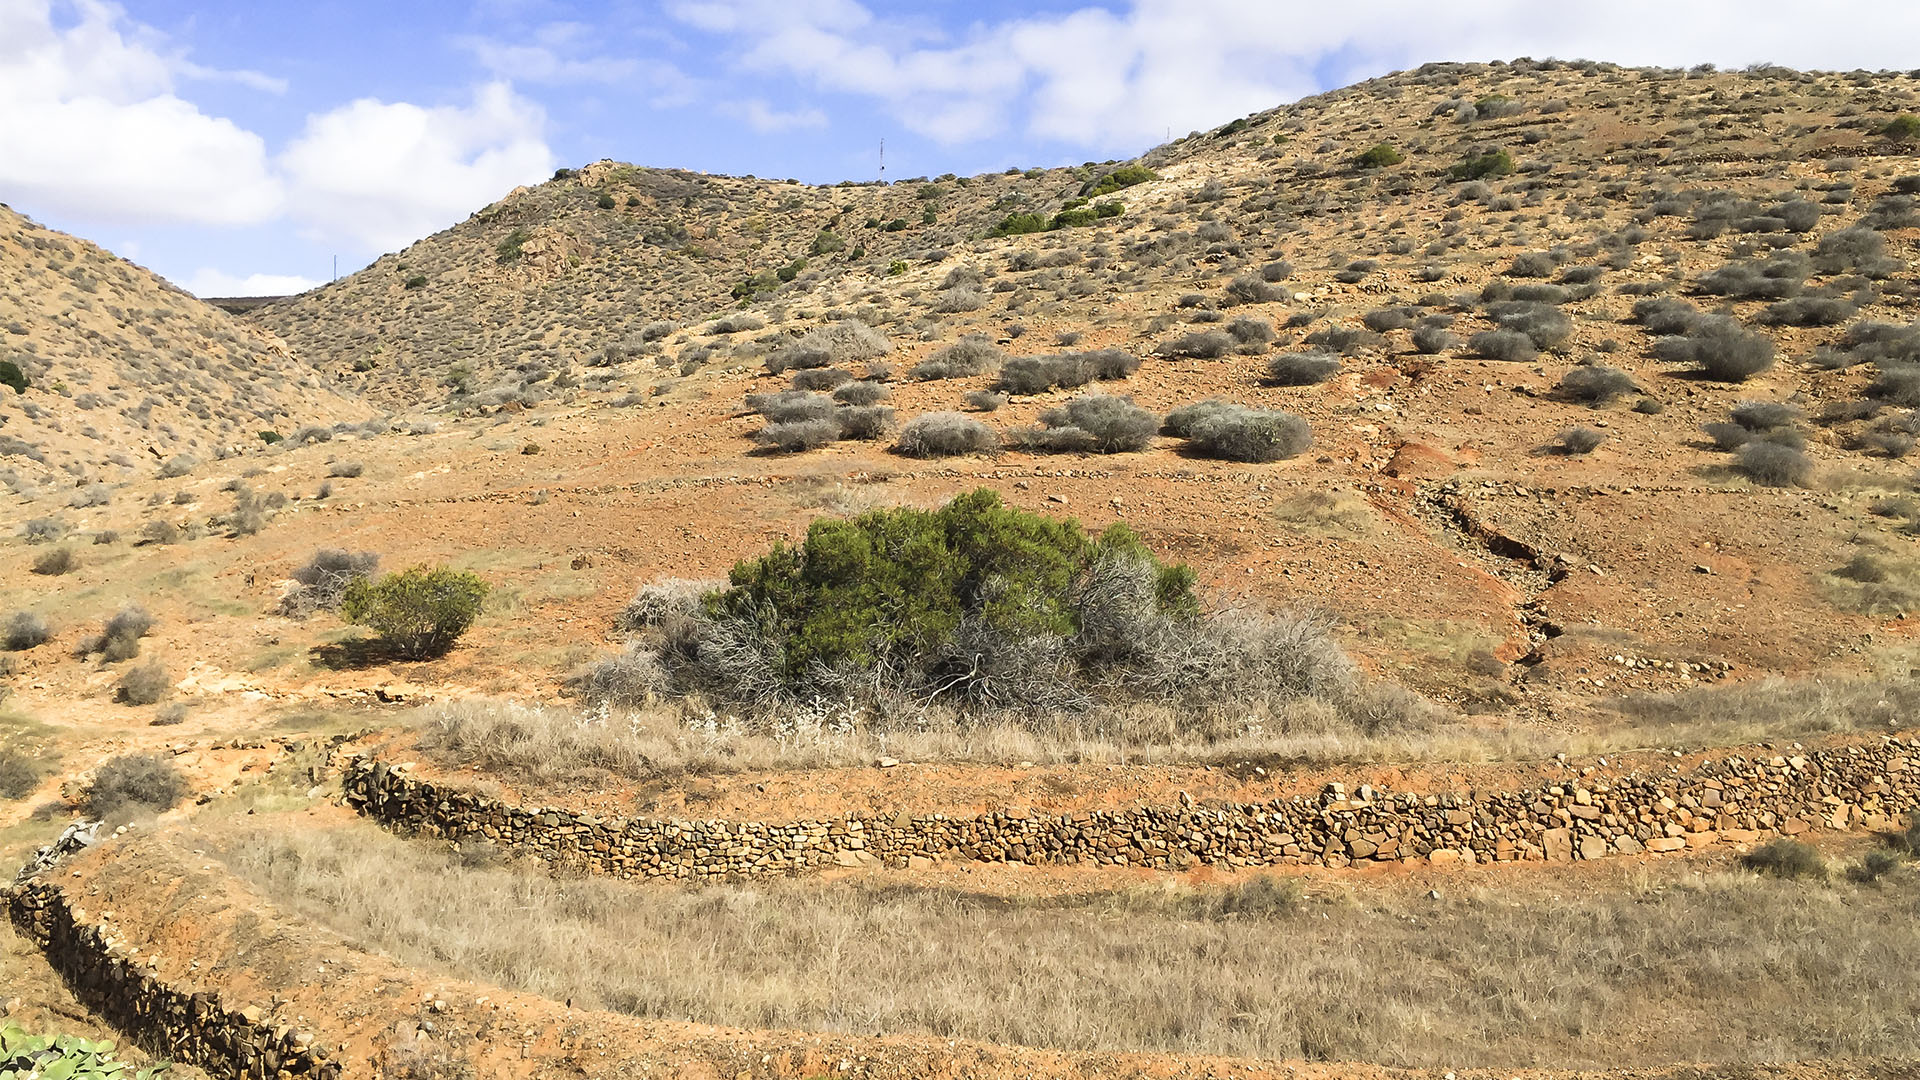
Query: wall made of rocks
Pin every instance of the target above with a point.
(1866, 784)
(173, 1023)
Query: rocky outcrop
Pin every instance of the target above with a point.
(1739, 798)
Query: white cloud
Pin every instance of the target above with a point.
(553, 56)
(255, 80)
(385, 174)
(92, 129)
(1105, 76)
(768, 120)
(207, 281)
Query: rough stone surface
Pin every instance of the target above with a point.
(170, 1021)
(1729, 799)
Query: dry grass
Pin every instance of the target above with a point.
(1730, 967)
(559, 743)
(551, 743)
(1762, 710)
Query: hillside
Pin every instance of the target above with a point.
(1538, 437)
(125, 372)
(1506, 329)
(573, 272)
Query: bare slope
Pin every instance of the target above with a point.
(125, 371)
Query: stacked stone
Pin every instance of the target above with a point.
(178, 1024)
(1729, 799)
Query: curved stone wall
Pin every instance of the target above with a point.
(1731, 798)
(171, 1022)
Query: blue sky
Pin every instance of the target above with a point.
(239, 147)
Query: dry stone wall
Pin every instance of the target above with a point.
(177, 1024)
(1870, 784)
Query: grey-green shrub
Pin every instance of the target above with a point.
(1251, 435)
(945, 434)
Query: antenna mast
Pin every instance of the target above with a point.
(883, 161)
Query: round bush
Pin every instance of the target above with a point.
(1302, 369)
(143, 685)
(1253, 435)
(1774, 464)
(1581, 440)
(132, 783)
(798, 435)
(25, 630)
(419, 612)
(1510, 345)
(1595, 384)
(862, 392)
(1113, 424)
(821, 378)
(945, 434)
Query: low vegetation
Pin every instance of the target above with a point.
(419, 613)
(321, 583)
(945, 434)
(1726, 967)
(989, 610)
(133, 784)
(27, 1056)
(119, 638)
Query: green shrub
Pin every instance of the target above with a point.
(992, 611)
(826, 242)
(1020, 224)
(1125, 176)
(508, 249)
(897, 586)
(1903, 128)
(1073, 219)
(1786, 858)
(762, 281)
(270, 437)
(60, 1056)
(1379, 157)
(1480, 167)
(417, 281)
(133, 782)
(605, 202)
(418, 612)
(1876, 865)
(1908, 841)
(11, 375)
